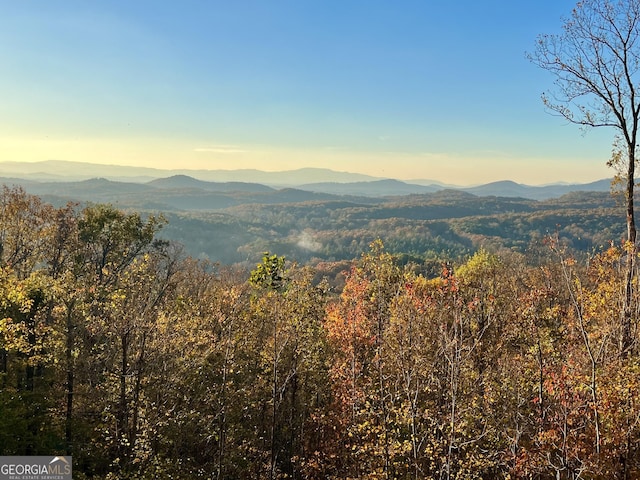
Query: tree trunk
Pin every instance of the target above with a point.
(3, 367)
(140, 364)
(626, 340)
(122, 420)
(274, 399)
(70, 379)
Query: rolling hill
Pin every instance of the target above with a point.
(315, 180)
(235, 221)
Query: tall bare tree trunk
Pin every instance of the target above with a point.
(595, 62)
(626, 340)
(68, 430)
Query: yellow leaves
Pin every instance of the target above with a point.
(22, 338)
(481, 264)
(14, 336)
(22, 330)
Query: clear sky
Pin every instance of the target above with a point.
(407, 89)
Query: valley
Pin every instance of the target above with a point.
(234, 221)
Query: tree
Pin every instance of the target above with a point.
(196, 387)
(286, 344)
(25, 230)
(125, 273)
(269, 274)
(596, 61)
(26, 345)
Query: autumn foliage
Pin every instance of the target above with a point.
(143, 363)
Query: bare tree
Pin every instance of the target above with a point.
(596, 61)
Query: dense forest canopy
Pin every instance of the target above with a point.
(142, 362)
(439, 225)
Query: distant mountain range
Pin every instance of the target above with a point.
(59, 170)
(222, 188)
(317, 215)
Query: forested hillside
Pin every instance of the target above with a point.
(446, 224)
(232, 222)
(145, 363)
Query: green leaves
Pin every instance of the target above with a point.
(112, 239)
(269, 274)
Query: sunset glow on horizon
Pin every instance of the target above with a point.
(413, 90)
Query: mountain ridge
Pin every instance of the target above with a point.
(314, 180)
(49, 170)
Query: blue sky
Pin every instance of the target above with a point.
(405, 89)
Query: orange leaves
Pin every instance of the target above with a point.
(494, 368)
